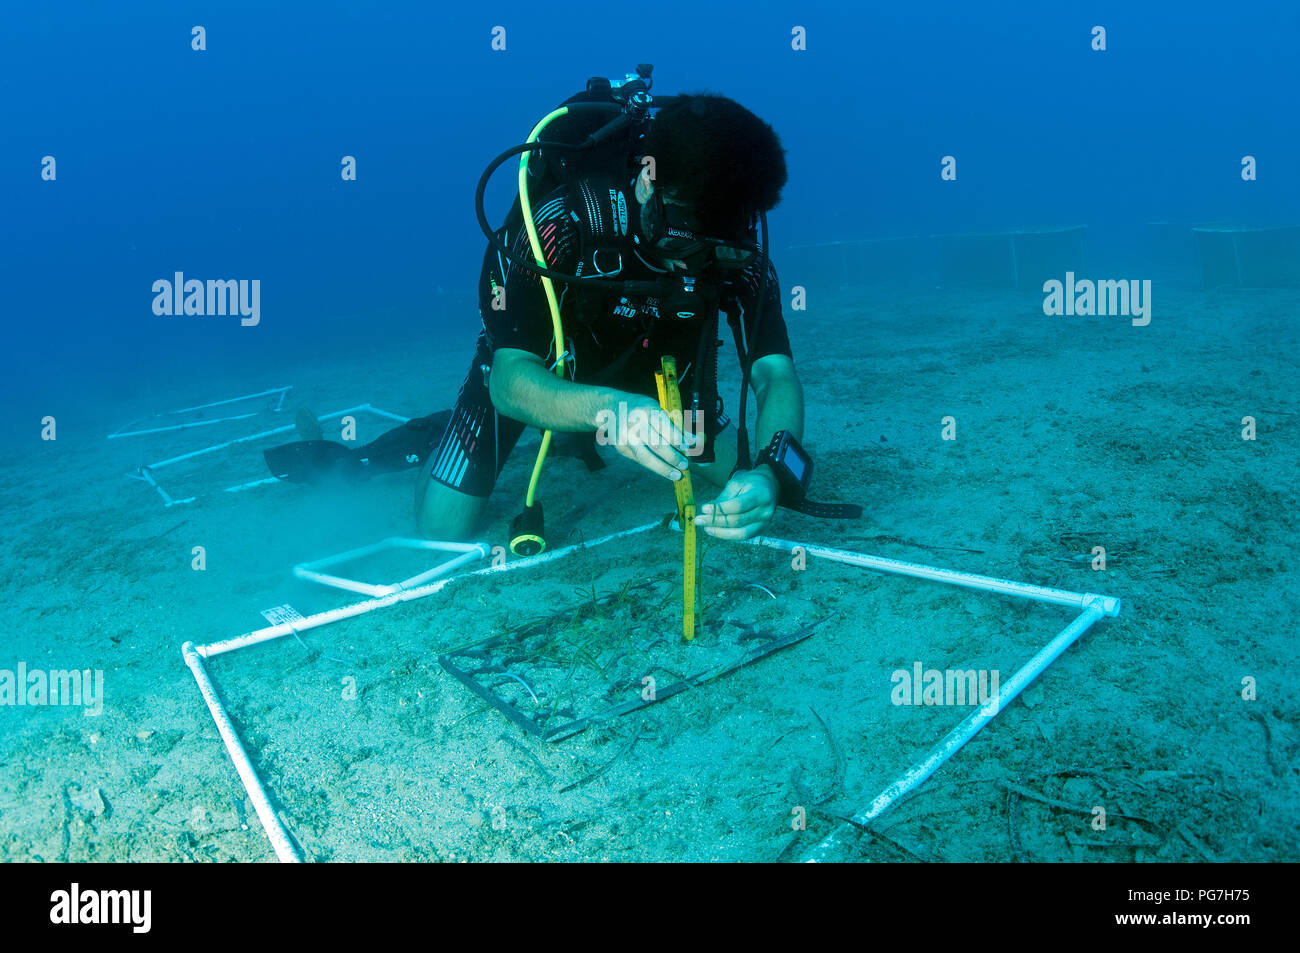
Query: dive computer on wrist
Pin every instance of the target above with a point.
(794, 469)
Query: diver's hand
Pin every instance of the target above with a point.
(743, 507)
(641, 430)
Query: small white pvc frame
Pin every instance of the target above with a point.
(145, 473)
(1093, 607)
(311, 571)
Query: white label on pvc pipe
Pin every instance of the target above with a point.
(282, 614)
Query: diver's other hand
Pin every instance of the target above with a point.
(743, 507)
(641, 430)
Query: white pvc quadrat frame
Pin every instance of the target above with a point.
(145, 473)
(1092, 607)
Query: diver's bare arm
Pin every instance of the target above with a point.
(749, 498)
(522, 388)
(780, 399)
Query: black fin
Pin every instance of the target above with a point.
(404, 446)
(313, 461)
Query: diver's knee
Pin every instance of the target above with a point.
(451, 528)
(448, 515)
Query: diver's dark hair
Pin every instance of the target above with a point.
(718, 156)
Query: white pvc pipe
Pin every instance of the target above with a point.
(391, 542)
(216, 403)
(148, 478)
(916, 775)
(275, 830)
(271, 433)
(407, 595)
(446, 567)
(234, 400)
(187, 426)
(309, 570)
(368, 550)
(383, 413)
(350, 585)
(313, 621)
(252, 483)
(1076, 600)
(468, 551)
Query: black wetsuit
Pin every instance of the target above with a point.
(611, 340)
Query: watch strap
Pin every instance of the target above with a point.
(825, 511)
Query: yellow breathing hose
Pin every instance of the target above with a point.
(548, 286)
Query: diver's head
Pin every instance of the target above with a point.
(716, 158)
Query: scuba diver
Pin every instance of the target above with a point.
(629, 234)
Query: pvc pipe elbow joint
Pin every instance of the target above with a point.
(1109, 605)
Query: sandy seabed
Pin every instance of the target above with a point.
(1071, 434)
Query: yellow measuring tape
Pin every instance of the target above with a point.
(670, 399)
